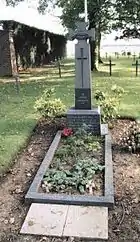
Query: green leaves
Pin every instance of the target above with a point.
(100, 13)
(78, 177)
(127, 15)
(74, 162)
(109, 102)
(48, 106)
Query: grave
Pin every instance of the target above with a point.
(64, 214)
(137, 64)
(110, 64)
(83, 112)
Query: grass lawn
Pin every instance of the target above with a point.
(17, 114)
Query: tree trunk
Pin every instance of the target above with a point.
(99, 48)
(94, 55)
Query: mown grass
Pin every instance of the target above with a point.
(17, 113)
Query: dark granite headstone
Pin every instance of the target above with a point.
(83, 113)
(91, 118)
(82, 98)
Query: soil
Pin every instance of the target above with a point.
(73, 153)
(124, 218)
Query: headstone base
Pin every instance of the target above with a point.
(76, 118)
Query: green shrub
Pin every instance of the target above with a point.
(48, 106)
(109, 103)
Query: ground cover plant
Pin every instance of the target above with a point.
(78, 166)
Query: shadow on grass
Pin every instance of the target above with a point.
(31, 89)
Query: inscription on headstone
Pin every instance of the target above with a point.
(82, 98)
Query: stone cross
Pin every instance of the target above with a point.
(81, 32)
(83, 113)
(82, 65)
(82, 58)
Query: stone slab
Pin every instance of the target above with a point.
(87, 222)
(92, 118)
(45, 219)
(66, 221)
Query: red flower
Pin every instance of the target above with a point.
(67, 132)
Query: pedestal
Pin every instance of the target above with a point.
(92, 118)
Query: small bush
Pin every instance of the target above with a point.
(131, 139)
(109, 103)
(48, 106)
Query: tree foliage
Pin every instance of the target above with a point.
(12, 2)
(128, 18)
(41, 5)
(100, 12)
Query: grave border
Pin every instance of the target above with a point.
(107, 200)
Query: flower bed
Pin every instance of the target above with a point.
(77, 166)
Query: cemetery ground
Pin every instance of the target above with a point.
(23, 144)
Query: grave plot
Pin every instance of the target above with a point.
(78, 170)
(77, 166)
(75, 171)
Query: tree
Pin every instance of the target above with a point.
(128, 18)
(100, 15)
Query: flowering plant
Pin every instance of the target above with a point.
(67, 132)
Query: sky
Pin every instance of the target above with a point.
(26, 12)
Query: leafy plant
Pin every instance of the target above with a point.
(78, 177)
(131, 139)
(48, 106)
(109, 103)
(99, 95)
(83, 140)
(67, 150)
(81, 169)
(117, 91)
(82, 131)
(93, 146)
